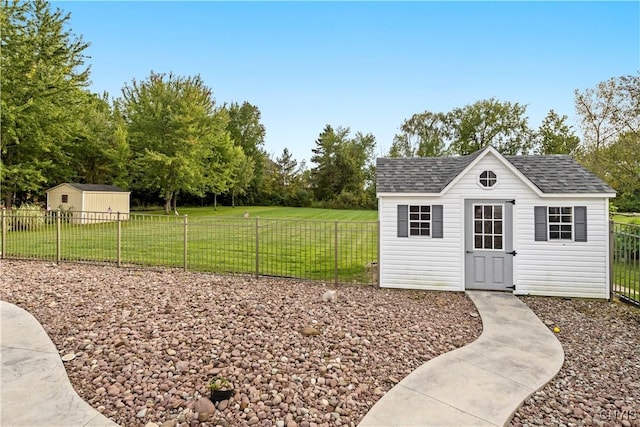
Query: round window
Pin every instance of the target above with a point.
(488, 178)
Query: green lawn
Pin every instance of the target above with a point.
(292, 242)
(626, 219)
(276, 212)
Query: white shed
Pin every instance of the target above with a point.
(535, 224)
(89, 203)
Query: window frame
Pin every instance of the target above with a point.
(493, 233)
(420, 221)
(488, 179)
(560, 223)
(64, 198)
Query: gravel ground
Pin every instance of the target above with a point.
(144, 344)
(599, 383)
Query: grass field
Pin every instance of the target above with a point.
(626, 219)
(275, 212)
(316, 244)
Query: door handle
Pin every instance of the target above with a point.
(469, 252)
(514, 253)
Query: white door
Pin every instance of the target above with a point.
(489, 244)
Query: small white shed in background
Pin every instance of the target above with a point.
(535, 225)
(89, 202)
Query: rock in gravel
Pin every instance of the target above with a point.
(141, 413)
(204, 405)
(171, 352)
(113, 390)
(280, 423)
(309, 331)
(169, 423)
(68, 357)
(222, 405)
(151, 424)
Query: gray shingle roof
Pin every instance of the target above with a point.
(98, 187)
(550, 173)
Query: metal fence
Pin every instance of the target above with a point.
(625, 256)
(329, 251)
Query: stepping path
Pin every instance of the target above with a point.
(482, 383)
(34, 387)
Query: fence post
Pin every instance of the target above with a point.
(611, 258)
(335, 255)
(3, 249)
(185, 243)
(118, 239)
(58, 233)
(257, 247)
(378, 260)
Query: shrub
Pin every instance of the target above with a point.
(27, 217)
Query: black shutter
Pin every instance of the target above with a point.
(540, 219)
(436, 221)
(580, 223)
(403, 221)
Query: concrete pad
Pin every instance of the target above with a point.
(487, 380)
(466, 387)
(408, 408)
(34, 386)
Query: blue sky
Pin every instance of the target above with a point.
(364, 65)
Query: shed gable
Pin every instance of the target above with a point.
(544, 174)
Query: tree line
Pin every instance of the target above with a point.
(166, 137)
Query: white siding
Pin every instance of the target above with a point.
(74, 201)
(577, 269)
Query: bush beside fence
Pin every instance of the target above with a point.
(331, 251)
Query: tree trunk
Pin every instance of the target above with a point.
(233, 199)
(215, 202)
(175, 203)
(8, 198)
(167, 202)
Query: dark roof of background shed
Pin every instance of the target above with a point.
(550, 173)
(98, 187)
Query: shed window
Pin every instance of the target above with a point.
(419, 220)
(488, 179)
(65, 198)
(560, 223)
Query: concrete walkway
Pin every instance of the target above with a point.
(483, 383)
(34, 385)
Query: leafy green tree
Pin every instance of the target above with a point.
(423, 135)
(622, 159)
(502, 125)
(241, 175)
(465, 130)
(178, 136)
(555, 136)
(42, 92)
(610, 119)
(100, 149)
(249, 133)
